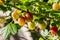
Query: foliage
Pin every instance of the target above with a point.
(9, 29)
(42, 12)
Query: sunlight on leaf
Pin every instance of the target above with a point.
(41, 38)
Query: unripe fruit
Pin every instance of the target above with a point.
(55, 6)
(31, 25)
(28, 17)
(42, 26)
(53, 30)
(21, 21)
(15, 15)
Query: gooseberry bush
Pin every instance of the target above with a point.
(41, 16)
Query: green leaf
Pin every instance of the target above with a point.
(5, 32)
(14, 29)
(51, 1)
(50, 37)
(35, 18)
(1, 30)
(10, 28)
(3, 8)
(41, 0)
(41, 38)
(23, 1)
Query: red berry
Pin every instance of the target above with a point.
(28, 16)
(53, 30)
